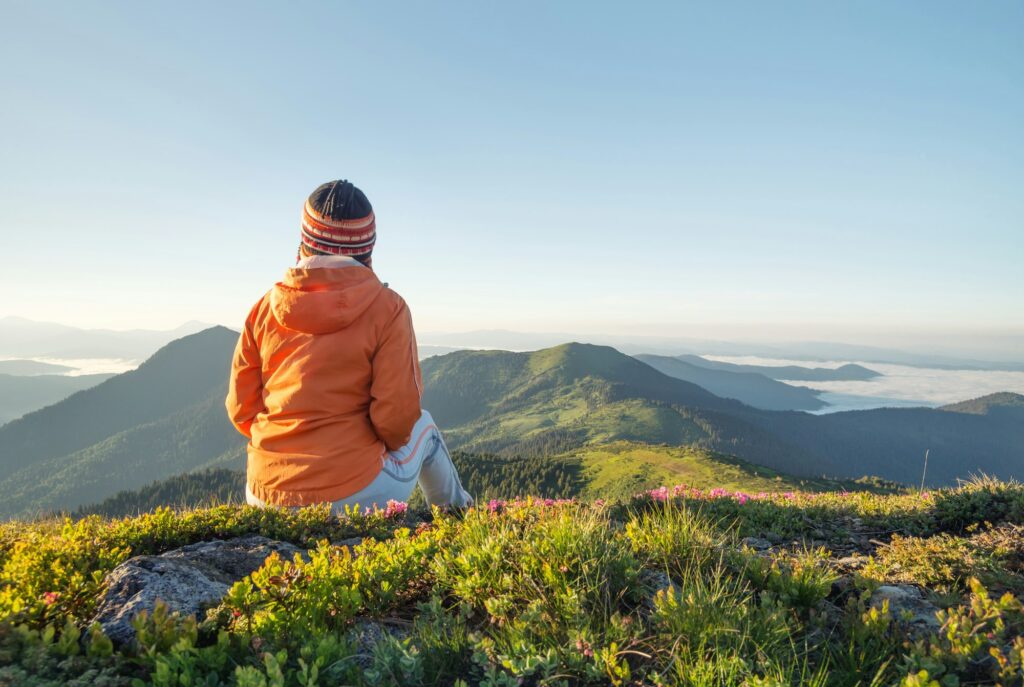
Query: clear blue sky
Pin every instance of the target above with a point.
(794, 169)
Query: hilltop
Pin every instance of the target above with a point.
(675, 586)
(985, 404)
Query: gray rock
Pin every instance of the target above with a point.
(654, 581)
(908, 608)
(756, 543)
(188, 580)
(367, 634)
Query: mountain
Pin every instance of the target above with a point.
(25, 368)
(23, 394)
(843, 373)
(24, 338)
(752, 388)
(162, 419)
(554, 400)
(1001, 402)
(538, 402)
(557, 409)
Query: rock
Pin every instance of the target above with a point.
(654, 581)
(852, 562)
(367, 634)
(773, 537)
(908, 608)
(188, 580)
(756, 543)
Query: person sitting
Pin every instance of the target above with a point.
(325, 380)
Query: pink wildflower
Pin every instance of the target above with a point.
(50, 598)
(395, 509)
(741, 499)
(659, 494)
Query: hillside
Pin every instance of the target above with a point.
(676, 586)
(188, 490)
(752, 388)
(555, 400)
(843, 373)
(614, 470)
(162, 419)
(1002, 402)
(548, 401)
(21, 394)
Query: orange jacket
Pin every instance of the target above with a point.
(324, 380)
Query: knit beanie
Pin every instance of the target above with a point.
(337, 219)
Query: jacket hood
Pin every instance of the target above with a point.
(323, 300)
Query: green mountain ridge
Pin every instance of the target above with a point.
(162, 419)
(548, 401)
(562, 404)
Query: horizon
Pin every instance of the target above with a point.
(745, 174)
(1011, 353)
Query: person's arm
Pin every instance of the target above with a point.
(397, 382)
(245, 386)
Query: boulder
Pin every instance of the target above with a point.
(188, 580)
(756, 543)
(914, 614)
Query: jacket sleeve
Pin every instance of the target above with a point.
(397, 384)
(245, 386)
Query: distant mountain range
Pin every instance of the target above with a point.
(1009, 355)
(22, 338)
(29, 368)
(753, 388)
(564, 403)
(844, 373)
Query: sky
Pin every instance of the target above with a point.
(828, 171)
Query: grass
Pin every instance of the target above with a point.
(622, 468)
(650, 590)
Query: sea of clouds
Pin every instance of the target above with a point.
(899, 385)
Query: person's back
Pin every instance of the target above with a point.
(326, 379)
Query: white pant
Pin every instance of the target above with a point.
(424, 459)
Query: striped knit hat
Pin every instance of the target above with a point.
(337, 219)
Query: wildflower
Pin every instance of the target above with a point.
(395, 509)
(659, 494)
(50, 598)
